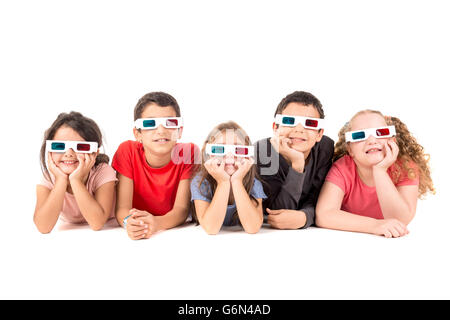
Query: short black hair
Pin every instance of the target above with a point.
(161, 99)
(302, 97)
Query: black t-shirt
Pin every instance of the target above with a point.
(287, 188)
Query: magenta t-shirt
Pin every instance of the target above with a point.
(358, 197)
(98, 176)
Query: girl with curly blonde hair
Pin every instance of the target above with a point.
(379, 172)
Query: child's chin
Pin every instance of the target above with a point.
(162, 147)
(67, 171)
(300, 147)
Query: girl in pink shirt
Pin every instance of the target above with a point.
(78, 184)
(379, 172)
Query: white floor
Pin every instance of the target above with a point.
(185, 263)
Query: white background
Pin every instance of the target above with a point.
(220, 60)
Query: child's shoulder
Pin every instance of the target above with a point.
(344, 163)
(102, 172)
(326, 142)
(324, 148)
(129, 147)
(196, 179)
(103, 167)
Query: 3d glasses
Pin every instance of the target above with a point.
(224, 149)
(293, 121)
(361, 135)
(153, 123)
(77, 146)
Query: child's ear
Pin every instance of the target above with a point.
(349, 150)
(319, 135)
(137, 134)
(180, 133)
(275, 127)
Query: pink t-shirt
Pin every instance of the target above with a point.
(98, 176)
(358, 197)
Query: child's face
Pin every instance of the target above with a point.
(160, 140)
(229, 137)
(372, 150)
(301, 139)
(66, 161)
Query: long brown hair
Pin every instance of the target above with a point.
(409, 150)
(85, 127)
(204, 174)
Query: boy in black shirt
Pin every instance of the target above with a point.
(293, 163)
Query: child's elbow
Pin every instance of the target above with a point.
(96, 227)
(210, 230)
(320, 218)
(252, 230)
(43, 230)
(407, 220)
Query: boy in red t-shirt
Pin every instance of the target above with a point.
(153, 192)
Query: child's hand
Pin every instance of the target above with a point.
(390, 228)
(391, 153)
(145, 220)
(244, 166)
(282, 145)
(286, 219)
(53, 168)
(85, 163)
(136, 227)
(216, 168)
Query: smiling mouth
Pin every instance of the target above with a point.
(69, 162)
(162, 140)
(297, 140)
(373, 150)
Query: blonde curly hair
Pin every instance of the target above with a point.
(409, 150)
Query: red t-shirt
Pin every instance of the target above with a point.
(155, 189)
(360, 198)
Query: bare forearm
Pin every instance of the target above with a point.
(122, 213)
(345, 221)
(391, 202)
(173, 218)
(250, 215)
(213, 217)
(47, 215)
(91, 210)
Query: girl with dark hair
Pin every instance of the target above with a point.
(78, 183)
(226, 190)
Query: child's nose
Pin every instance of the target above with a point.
(70, 152)
(160, 128)
(299, 127)
(371, 139)
(229, 158)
